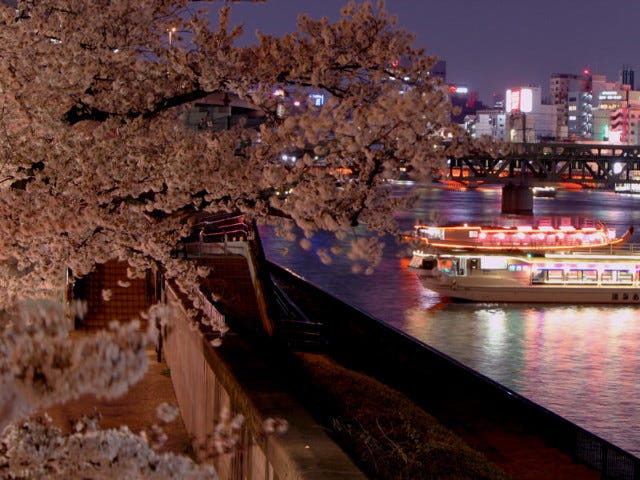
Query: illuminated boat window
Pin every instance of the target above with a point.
(445, 265)
(607, 276)
(493, 263)
(574, 276)
(555, 276)
(625, 276)
(616, 276)
(582, 276)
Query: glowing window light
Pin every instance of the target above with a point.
(617, 168)
(493, 263)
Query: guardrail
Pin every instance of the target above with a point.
(216, 319)
(212, 228)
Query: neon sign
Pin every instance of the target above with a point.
(519, 100)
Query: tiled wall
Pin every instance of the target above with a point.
(125, 302)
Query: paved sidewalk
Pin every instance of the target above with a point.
(136, 408)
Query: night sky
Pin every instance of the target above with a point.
(490, 45)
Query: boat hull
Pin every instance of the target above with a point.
(575, 278)
(575, 294)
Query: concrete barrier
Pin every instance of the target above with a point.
(517, 199)
(239, 378)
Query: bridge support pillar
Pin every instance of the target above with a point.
(517, 199)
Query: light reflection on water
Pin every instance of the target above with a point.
(582, 362)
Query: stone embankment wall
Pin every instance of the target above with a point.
(237, 378)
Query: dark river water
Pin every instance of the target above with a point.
(579, 361)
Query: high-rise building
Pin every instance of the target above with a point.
(560, 86)
(626, 77)
(610, 111)
(464, 103)
(492, 123)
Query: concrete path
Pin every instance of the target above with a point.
(136, 408)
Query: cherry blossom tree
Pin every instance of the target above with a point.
(96, 162)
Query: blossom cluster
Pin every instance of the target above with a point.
(97, 164)
(35, 449)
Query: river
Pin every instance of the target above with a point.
(579, 361)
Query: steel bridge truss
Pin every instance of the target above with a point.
(597, 165)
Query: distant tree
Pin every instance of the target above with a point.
(96, 162)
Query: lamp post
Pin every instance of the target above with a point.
(172, 30)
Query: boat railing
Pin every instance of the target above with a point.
(626, 248)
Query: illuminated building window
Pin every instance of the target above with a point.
(572, 118)
(572, 108)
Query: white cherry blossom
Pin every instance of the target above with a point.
(97, 164)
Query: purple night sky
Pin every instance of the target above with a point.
(491, 45)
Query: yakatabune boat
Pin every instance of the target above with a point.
(540, 235)
(592, 272)
(544, 191)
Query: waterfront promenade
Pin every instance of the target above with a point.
(521, 454)
(507, 441)
(512, 445)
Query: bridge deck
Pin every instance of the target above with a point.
(594, 165)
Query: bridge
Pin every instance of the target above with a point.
(591, 165)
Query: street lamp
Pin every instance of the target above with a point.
(172, 30)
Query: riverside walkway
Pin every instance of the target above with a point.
(509, 442)
(506, 437)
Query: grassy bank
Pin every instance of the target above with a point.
(385, 433)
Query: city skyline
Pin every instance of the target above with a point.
(488, 46)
